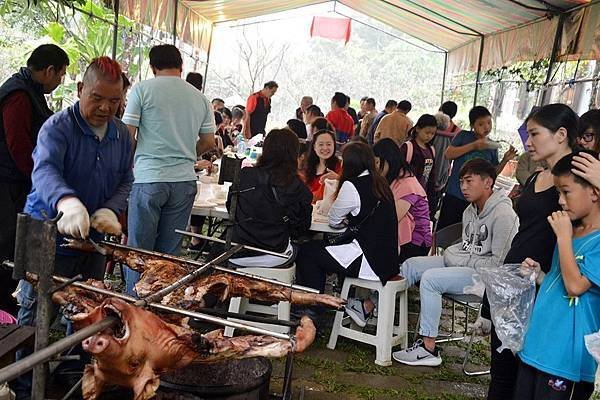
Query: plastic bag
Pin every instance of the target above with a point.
(323, 206)
(592, 343)
(511, 296)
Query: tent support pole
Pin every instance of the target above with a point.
(553, 57)
(479, 64)
(210, 38)
(175, 11)
(115, 29)
(444, 78)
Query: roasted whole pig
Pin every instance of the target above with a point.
(158, 273)
(142, 345)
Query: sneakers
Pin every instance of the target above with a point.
(417, 354)
(356, 311)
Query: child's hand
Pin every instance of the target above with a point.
(203, 164)
(481, 144)
(510, 154)
(561, 225)
(588, 167)
(532, 269)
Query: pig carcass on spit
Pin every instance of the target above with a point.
(142, 345)
(158, 273)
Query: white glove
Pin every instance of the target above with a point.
(75, 221)
(104, 220)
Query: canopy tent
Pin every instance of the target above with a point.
(475, 34)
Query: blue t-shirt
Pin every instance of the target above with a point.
(169, 114)
(554, 340)
(463, 138)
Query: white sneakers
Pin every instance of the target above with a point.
(417, 354)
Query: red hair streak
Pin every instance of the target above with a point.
(110, 68)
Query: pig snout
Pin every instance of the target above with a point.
(95, 344)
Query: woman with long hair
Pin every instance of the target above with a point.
(365, 201)
(321, 163)
(412, 208)
(552, 134)
(412, 213)
(273, 205)
(420, 154)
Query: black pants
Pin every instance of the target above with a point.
(409, 250)
(313, 263)
(451, 212)
(503, 371)
(533, 384)
(12, 201)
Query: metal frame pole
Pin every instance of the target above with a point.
(553, 56)
(174, 32)
(210, 38)
(444, 78)
(479, 64)
(115, 29)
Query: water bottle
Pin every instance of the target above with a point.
(241, 144)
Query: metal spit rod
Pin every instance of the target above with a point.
(212, 239)
(39, 357)
(216, 267)
(192, 314)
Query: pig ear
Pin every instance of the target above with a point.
(146, 384)
(92, 385)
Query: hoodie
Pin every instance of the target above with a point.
(486, 236)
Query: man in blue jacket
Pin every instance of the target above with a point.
(82, 168)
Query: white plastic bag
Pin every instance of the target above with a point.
(592, 343)
(323, 206)
(511, 297)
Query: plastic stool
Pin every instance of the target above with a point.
(280, 310)
(388, 334)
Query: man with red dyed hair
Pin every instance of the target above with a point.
(82, 167)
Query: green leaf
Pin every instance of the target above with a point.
(55, 31)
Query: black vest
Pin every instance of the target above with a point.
(39, 111)
(378, 235)
(258, 118)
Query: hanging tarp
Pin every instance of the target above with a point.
(159, 14)
(530, 42)
(331, 28)
(581, 35)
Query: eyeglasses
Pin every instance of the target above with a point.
(587, 137)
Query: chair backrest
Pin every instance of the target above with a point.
(448, 236)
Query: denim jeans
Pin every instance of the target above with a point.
(155, 211)
(435, 279)
(91, 266)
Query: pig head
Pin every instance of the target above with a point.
(135, 351)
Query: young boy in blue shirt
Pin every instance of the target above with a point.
(555, 364)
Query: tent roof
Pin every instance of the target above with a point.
(447, 24)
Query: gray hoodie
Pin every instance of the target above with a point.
(486, 237)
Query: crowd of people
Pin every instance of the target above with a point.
(396, 184)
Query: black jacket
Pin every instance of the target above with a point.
(39, 112)
(268, 215)
(378, 235)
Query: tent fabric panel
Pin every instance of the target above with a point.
(464, 58)
(410, 24)
(581, 35)
(482, 16)
(194, 29)
(529, 42)
(229, 10)
(191, 27)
